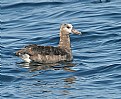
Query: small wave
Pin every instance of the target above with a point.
(100, 1)
(112, 41)
(1, 46)
(6, 78)
(16, 5)
(108, 68)
(9, 37)
(101, 69)
(112, 28)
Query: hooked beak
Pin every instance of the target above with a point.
(76, 31)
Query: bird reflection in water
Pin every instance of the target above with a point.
(67, 66)
(54, 66)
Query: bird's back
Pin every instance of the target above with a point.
(43, 54)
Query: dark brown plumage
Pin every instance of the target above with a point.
(43, 50)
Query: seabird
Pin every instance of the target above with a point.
(50, 54)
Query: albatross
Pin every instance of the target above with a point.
(50, 54)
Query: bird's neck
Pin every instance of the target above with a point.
(65, 41)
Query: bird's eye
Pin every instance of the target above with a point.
(68, 27)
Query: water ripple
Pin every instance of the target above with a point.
(17, 5)
(102, 69)
(6, 78)
(97, 52)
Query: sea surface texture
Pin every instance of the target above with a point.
(94, 73)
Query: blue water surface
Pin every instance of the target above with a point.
(95, 72)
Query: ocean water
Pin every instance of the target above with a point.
(95, 72)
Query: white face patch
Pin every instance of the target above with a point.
(26, 58)
(68, 28)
